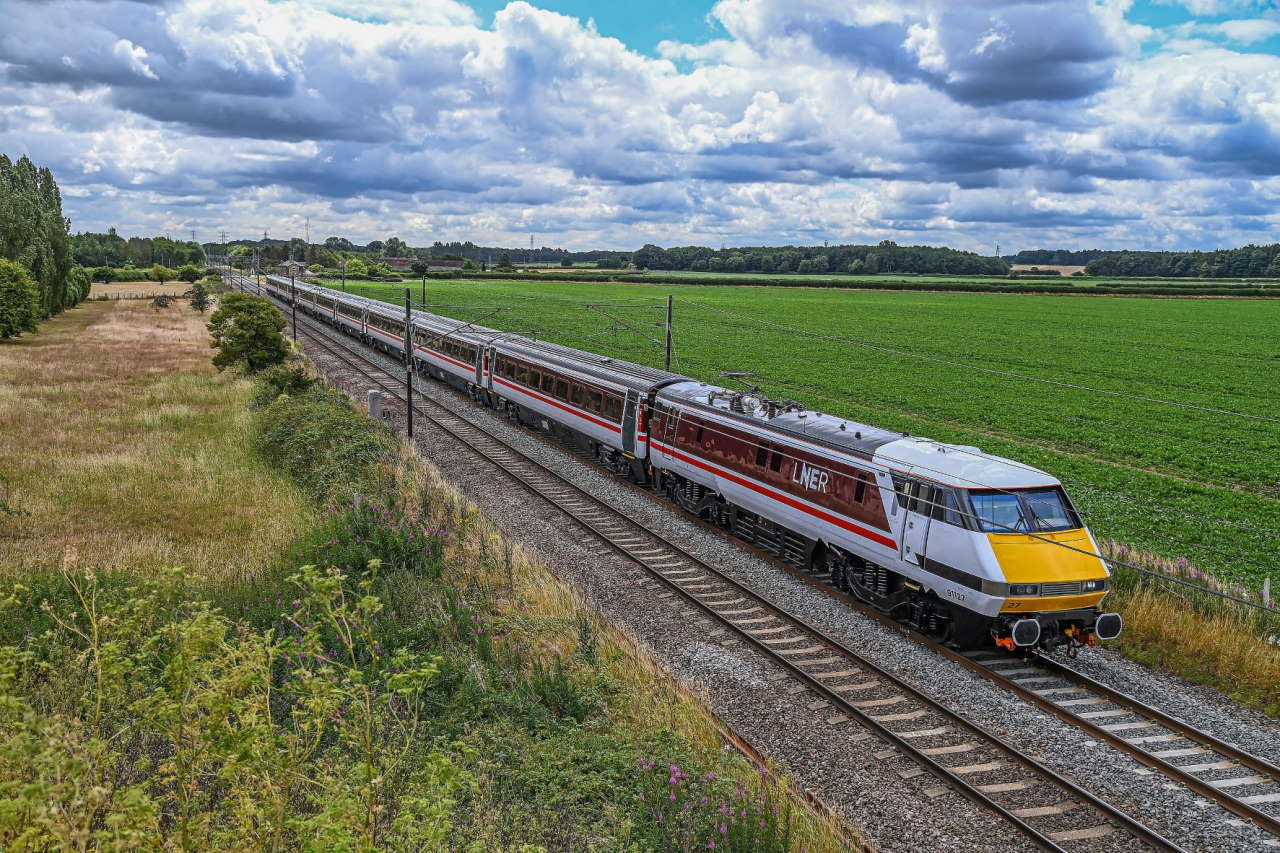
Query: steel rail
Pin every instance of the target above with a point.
(812, 680)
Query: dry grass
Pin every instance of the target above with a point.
(137, 289)
(1226, 650)
(544, 613)
(119, 443)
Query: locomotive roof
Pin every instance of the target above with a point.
(635, 376)
(954, 464)
(840, 433)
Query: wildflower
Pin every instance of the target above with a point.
(711, 845)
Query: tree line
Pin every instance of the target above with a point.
(1246, 262)
(38, 274)
(112, 250)
(887, 257)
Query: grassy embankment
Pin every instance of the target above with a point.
(1059, 384)
(383, 673)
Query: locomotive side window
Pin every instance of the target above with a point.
(945, 507)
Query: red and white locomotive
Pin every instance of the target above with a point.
(953, 541)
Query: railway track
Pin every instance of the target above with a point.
(1052, 811)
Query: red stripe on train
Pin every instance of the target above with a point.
(774, 494)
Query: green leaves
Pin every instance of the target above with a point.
(246, 332)
(19, 300)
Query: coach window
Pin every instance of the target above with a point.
(547, 382)
(510, 368)
(534, 378)
(762, 455)
(575, 394)
(860, 490)
(594, 400)
(522, 374)
(775, 461)
(562, 389)
(613, 408)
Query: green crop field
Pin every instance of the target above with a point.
(1158, 414)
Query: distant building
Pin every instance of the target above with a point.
(293, 268)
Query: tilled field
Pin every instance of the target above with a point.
(858, 775)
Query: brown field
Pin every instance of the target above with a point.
(137, 289)
(122, 448)
(1065, 270)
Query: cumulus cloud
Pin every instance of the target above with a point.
(913, 120)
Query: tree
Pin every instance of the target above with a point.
(356, 267)
(567, 262)
(504, 261)
(190, 273)
(246, 332)
(104, 274)
(199, 297)
(19, 300)
(419, 268)
(161, 273)
(395, 248)
(381, 270)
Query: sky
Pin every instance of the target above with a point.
(1146, 124)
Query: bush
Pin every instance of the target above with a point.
(190, 273)
(292, 379)
(80, 284)
(320, 440)
(19, 300)
(105, 274)
(161, 274)
(246, 332)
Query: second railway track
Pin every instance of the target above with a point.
(1049, 809)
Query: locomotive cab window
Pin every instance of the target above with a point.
(1023, 510)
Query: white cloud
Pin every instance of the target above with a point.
(914, 121)
(1250, 30)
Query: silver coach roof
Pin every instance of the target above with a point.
(635, 376)
(853, 437)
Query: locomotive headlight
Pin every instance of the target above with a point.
(1024, 589)
(1094, 586)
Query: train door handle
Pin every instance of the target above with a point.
(911, 525)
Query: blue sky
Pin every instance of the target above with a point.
(1027, 123)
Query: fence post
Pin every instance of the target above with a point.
(1266, 591)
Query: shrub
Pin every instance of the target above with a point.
(190, 273)
(161, 274)
(199, 297)
(292, 379)
(320, 440)
(19, 300)
(246, 332)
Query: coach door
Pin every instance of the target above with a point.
(629, 423)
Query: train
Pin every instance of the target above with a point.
(969, 548)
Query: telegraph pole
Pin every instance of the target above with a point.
(408, 360)
(423, 300)
(666, 360)
(293, 293)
